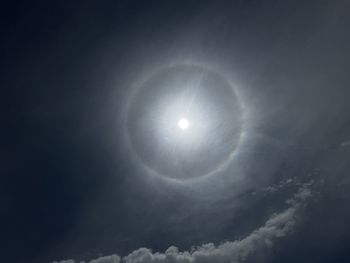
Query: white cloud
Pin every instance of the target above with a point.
(277, 226)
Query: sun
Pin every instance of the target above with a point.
(183, 124)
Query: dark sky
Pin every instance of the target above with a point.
(72, 189)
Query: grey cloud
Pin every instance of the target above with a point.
(106, 259)
(279, 186)
(277, 226)
(345, 144)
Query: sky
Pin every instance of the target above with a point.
(96, 169)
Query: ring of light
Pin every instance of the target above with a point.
(184, 124)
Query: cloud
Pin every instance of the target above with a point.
(345, 144)
(279, 186)
(277, 226)
(106, 259)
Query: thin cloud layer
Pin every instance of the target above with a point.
(277, 226)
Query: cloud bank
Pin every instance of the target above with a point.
(277, 226)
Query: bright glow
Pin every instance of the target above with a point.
(183, 124)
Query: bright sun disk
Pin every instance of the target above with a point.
(183, 123)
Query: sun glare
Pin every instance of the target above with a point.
(183, 124)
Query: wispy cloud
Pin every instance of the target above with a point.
(345, 144)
